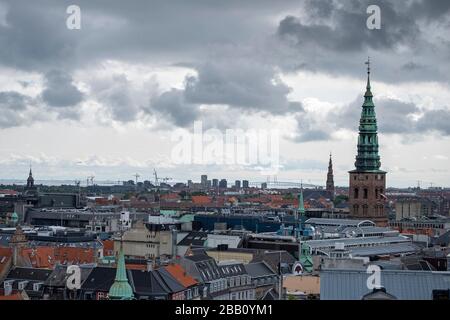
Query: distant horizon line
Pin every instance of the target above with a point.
(109, 182)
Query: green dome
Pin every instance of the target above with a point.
(121, 289)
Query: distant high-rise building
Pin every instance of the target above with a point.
(204, 181)
(237, 184)
(264, 185)
(245, 184)
(190, 184)
(223, 184)
(330, 179)
(215, 183)
(367, 181)
(208, 184)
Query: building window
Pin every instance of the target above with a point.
(365, 210)
(376, 193)
(366, 193)
(356, 193)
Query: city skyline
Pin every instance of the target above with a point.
(105, 99)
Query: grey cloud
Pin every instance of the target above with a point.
(151, 31)
(60, 90)
(435, 120)
(309, 130)
(241, 83)
(119, 98)
(349, 32)
(174, 108)
(334, 43)
(395, 117)
(13, 107)
(11, 100)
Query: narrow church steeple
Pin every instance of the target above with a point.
(330, 179)
(30, 180)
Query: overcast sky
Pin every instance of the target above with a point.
(106, 100)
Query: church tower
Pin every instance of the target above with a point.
(330, 179)
(367, 181)
(30, 181)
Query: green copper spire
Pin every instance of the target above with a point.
(121, 289)
(368, 158)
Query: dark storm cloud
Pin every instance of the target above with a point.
(157, 32)
(332, 35)
(332, 38)
(60, 91)
(139, 31)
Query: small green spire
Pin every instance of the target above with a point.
(121, 289)
(14, 217)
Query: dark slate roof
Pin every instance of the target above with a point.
(270, 295)
(443, 239)
(209, 270)
(100, 279)
(146, 283)
(59, 275)
(272, 258)
(259, 269)
(34, 274)
(379, 294)
(235, 269)
(194, 238)
(339, 284)
(169, 280)
(4, 239)
(199, 257)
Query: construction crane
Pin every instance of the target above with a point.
(91, 179)
(157, 179)
(136, 175)
(165, 179)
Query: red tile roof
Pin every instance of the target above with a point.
(201, 200)
(179, 273)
